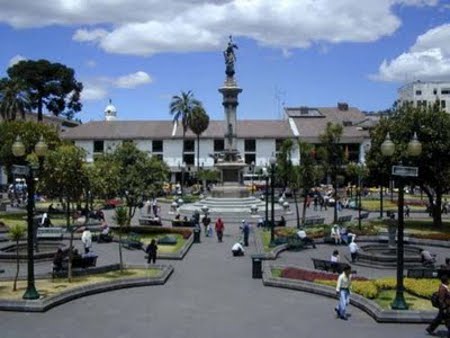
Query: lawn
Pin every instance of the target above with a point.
(11, 219)
(146, 239)
(49, 287)
(374, 205)
(385, 298)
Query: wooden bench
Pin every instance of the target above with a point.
(49, 233)
(150, 221)
(324, 265)
(344, 219)
(422, 273)
(364, 215)
(78, 263)
(311, 221)
(133, 241)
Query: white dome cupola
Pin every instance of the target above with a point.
(110, 112)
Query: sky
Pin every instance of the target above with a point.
(139, 53)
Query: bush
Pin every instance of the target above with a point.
(434, 236)
(311, 276)
(186, 233)
(421, 287)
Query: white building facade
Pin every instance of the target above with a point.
(425, 93)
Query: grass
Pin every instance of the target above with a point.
(20, 218)
(385, 298)
(374, 205)
(266, 240)
(49, 287)
(276, 272)
(146, 239)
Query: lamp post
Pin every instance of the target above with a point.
(183, 165)
(272, 194)
(252, 170)
(414, 149)
(266, 193)
(360, 168)
(18, 150)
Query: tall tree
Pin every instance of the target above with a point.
(181, 108)
(140, 176)
(13, 99)
(121, 218)
(50, 85)
(333, 156)
(198, 123)
(432, 126)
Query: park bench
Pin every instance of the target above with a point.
(324, 265)
(344, 219)
(50, 233)
(133, 241)
(364, 215)
(146, 220)
(78, 263)
(311, 221)
(422, 273)
(182, 223)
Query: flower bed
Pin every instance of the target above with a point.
(186, 233)
(311, 276)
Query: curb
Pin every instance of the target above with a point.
(42, 305)
(364, 304)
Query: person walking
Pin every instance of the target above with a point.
(353, 247)
(219, 229)
(206, 221)
(343, 286)
(444, 308)
(151, 251)
(245, 231)
(86, 239)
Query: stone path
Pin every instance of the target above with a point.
(211, 294)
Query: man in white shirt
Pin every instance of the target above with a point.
(353, 247)
(343, 286)
(237, 249)
(336, 234)
(305, 239)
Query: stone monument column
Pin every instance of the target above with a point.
(230, 93)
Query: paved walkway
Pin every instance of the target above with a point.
(211, 294)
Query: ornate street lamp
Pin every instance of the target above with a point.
(252, 170)
(272, 161)
(387, 149)
(18, 150)
(266, 197)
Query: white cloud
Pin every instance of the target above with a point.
(93, 91)
(133, 80)
(145, 27)
(91, 63)
(16, 59)
(84, 35)
(427, 59)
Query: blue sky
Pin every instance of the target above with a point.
(293, 52)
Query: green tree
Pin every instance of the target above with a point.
(432, 126)
(198, 123)
(16, 233)
(181, 108)
(333, 156)
(121, 218)
(140, 176)
(13, 99)
(49, 85)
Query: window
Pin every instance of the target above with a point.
(418, 92)
(435, 91)
(98, 146)
(188, 159)
(422, 103)
(249, 158)
(278, 144)
(445, 91)
(189, 146)
(443, 104)
(250, 145)
(159, 157)
(157, 146)
(219, 145)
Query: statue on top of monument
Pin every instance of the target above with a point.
(230, 57)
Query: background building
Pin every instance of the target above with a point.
(423, 93)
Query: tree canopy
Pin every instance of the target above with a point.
(49, 85)
(14, 99)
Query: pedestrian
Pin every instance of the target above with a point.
(86, 239)
(444, 307)
(151, 251)
(407, 210)
(335, 260)
(343, 286)
(353, 247)
(206, 221)
(219, 229)
(315, 202)
(245, 231)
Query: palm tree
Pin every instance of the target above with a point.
(13, 99)
(121, 218)
(181, 108)
(16, 233)
(198, 123)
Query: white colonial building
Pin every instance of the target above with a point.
(257, 140)
(424, 93)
